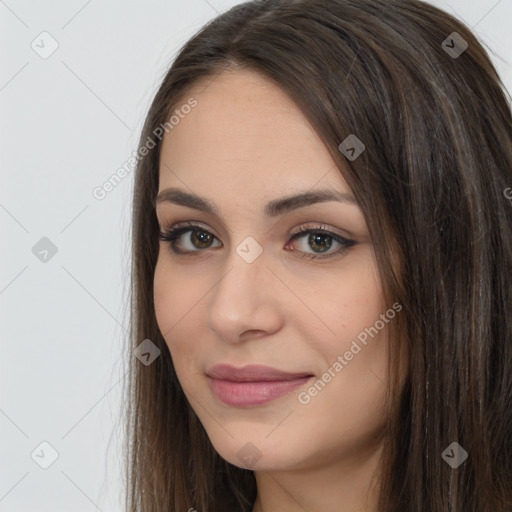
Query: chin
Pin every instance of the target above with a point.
(260, 454)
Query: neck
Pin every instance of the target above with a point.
(348, 486)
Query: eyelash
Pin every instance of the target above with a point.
(171, 235)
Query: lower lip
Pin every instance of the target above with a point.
(246, 394)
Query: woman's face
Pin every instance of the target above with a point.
(247, 291)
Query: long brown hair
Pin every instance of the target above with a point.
(436, 124)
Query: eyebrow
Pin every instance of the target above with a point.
(273, 208)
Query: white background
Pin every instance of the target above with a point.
(67, 124)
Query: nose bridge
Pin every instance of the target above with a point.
(243, 299)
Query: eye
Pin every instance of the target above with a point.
(319, 239)
(199, 238)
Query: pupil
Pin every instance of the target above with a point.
(316, 240)
(202, 237)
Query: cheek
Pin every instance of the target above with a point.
(354, 344)
(174, 299)
(349, 303)
(164, 291)
(180, 300)
(175, 295)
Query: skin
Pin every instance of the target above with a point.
(244, 144)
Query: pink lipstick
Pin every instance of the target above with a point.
(252, 385)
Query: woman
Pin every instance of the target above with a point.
(322, 259)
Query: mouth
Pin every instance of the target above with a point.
(253, 385)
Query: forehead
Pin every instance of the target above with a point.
(246, 133)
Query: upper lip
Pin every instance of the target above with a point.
(252, 373)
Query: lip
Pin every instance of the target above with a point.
(252, 385)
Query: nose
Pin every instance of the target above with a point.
(246, 301)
